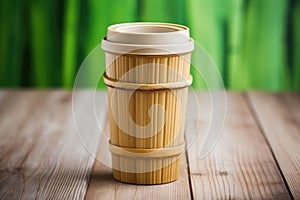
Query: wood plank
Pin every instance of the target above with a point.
(2, 94)
(279, 117)
(41, 156)
(241, 165)
(103, 186)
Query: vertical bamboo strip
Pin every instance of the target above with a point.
(168, 10)
(11, 42)
(296, 52)
(4, 42)
(151, 71)
(159, 100)
(45, 53)
(160, 7)
(173, 116)
(131, 106)
(69, 52)
(144, 115)
(168, 122)
(264, 60)
(139, 119)
(236, 20)
(207, 32)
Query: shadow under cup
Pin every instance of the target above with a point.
(148, 75)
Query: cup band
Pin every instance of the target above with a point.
(146, 153)
(147, 86)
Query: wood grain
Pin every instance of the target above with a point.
(241, 165)
(103, 186)
(279, 118)
(41, 156)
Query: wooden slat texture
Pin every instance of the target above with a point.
(2, 94)
(279, 118)
(102, 185)
(41, 156)
(241, 165)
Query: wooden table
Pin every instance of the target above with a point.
(257, 156)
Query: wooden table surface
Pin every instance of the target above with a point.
(257, 156)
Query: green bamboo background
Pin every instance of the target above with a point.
(255, 43)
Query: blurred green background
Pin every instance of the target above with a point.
(255, 43)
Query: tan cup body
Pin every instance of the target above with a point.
(131, 160)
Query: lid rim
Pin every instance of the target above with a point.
(113, 27)
(139, 49)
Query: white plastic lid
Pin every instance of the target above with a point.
(148, 38)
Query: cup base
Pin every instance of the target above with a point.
(165, 175)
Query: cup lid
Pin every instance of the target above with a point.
(148, 38)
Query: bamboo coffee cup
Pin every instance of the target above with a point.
(147, 77)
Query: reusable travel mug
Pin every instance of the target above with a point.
(147, 77)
